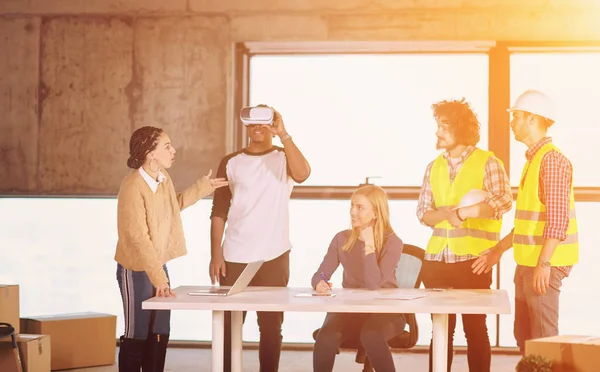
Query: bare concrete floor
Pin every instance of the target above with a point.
(198, 360)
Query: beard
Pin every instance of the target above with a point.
(439, 145)
(444, 145)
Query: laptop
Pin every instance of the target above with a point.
(240, 284)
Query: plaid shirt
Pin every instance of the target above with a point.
(495, 181)
(556, 175)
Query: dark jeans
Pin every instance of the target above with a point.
(274, 273)
(373, 330)
(460, 276)
(536, 315)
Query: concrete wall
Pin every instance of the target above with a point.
(77, 77)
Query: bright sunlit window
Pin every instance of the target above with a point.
(573, 82)
(355, 116)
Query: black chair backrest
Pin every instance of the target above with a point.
(7, 330)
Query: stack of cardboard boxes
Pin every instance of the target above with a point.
(55, 342)
(34, 349)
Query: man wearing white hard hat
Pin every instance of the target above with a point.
(465, 192)
(545, 233)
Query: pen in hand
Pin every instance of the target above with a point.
(327, 286)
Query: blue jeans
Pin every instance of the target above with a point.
(135, 288)
(536, 315)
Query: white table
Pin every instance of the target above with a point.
(437, 303)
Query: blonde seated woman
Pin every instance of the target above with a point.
(369, 253)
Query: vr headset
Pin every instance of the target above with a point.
(257, 115)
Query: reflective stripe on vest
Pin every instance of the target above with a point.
(476, 234)
(530, 219)
(536, 216)
(462, 232)
(539, 240)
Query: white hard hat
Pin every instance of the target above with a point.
(535, 102)
(473, 197)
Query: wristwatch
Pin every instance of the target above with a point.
(545, 264)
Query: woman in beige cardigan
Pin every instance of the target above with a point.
(150, 234)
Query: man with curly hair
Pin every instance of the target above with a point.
(461, 235)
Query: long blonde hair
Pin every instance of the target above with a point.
(382, 228)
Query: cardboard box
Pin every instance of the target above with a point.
(78, 340)
(9, 305)
(570, 353)
(34, 351)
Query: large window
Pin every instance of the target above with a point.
(355, 116)
(60, 252)
(573, 81)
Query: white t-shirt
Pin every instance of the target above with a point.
(255, 206)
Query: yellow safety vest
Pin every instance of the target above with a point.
(476, 234)
(530, 219)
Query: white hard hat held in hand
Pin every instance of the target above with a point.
(473, 197)
(535, 102)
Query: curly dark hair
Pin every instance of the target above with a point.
(463, 122)
(143, 141)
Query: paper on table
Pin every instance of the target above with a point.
(401, 296)
(314, 294)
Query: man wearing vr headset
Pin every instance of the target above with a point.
(256, 208)
(462, 229)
